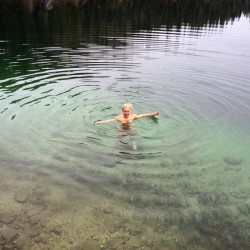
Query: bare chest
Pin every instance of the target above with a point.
(125, 120)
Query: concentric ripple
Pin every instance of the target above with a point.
(188, 164)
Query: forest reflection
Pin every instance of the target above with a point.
(70, 24)
(134, 13)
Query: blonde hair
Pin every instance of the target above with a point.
(127, 105)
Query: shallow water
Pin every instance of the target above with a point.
(180, 180)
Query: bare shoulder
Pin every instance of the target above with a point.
(118, 118)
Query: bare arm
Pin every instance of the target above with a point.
(105, 121)
(147, 115)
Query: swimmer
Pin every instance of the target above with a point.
(127, 116)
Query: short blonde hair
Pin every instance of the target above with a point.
(127, 105)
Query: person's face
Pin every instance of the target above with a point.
(126, 112)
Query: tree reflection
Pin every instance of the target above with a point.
(27, 24)
(135, 12)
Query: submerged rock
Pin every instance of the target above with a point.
(231, 161)
(20, 242)
(133, 243)
(109, 163)
(57, 229)
(8, 234)
(21, 197)
(115, 243)
(90, 244)
(61, 157)
(34, 211)
(165, 164)
(7, 219)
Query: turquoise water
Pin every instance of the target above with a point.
(186, 183)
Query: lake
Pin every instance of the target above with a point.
(177, 181)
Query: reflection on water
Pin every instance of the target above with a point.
(180, 181)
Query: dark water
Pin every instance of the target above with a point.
(180, 181)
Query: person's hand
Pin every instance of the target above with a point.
(157, 113)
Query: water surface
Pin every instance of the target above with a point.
(180, 180)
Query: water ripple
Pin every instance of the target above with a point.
(174, 167)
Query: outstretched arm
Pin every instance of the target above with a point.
(147, 115)
(105, 121)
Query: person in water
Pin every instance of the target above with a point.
(127, 116)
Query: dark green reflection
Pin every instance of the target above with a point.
(27, 25)
(100, 17)
(126, 12)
